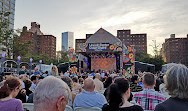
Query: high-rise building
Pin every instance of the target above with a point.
(67, 41)
(41, 44)
(138, 41)
(175, 50)
(7, 6)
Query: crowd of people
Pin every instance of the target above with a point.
(144, 91)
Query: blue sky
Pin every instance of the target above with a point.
(157, 18)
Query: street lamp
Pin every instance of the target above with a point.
(30, 65)
(18, 68)
(2, 60)
(40, 61)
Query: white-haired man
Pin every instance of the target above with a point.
(51, 94)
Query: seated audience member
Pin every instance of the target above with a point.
(177, 87)
(22, 78)
(36, 72)
(8, 92)
(69, 82)
(27, 86)
(22, 95)
(51, 94)
(22, 71)
(81, 81)
(30, 98)
(89, 98)
(119, 93)
(98, 83)
(134, 84)
(158, 82)
(148, 98)
(108, 82)
(162, 88)
(33, 85)
(54, 71)
(45, 74)
(77, 88)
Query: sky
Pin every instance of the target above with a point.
(157, 18)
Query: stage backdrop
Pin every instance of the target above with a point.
(103, 64)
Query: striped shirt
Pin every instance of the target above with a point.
(148, 98)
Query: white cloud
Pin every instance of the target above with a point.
(157, 18)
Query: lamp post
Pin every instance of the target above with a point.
(40, 61)
(2, 60)
(18, 68)
(30, 65)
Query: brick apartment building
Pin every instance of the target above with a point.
(175, 50)
(41, 44)
(139, 41)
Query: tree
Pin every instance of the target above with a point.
(35, 58)
(155, 48)
(158, 62)
(20, 48)
(146, 58)
(6, 34)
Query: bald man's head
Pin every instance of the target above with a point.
(89, 84)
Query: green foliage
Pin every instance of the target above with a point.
(6, 33)
(36, 58)
(146, 58)
(20, 48)
(45, 59)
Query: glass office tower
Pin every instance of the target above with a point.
(67, 41)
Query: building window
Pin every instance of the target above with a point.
(11, 16)
(6, 7)
(12, 11)
(12, 6)
(7, 1)
(1, 3)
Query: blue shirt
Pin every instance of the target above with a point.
(89, 99)
(36, 73)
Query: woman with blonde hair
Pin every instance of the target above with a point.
(54, 71)
(8, 91)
